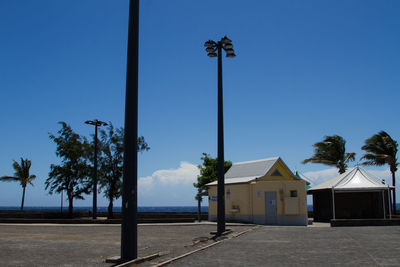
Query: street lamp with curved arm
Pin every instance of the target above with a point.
(96, 124)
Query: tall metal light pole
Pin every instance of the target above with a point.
(62, 192)
(129, 189)
(215, 49)
(96, 123)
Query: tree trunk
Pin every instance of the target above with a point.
(341, 167)
(23, 198)
(199, 209)
(110, 209)
(394, 192)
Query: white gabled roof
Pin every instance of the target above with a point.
(354, 179)
(247, 171)
(240, 180)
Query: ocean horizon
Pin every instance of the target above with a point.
(115, 209)
(118, 209)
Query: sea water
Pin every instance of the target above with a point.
(140, 209)
(115, 209)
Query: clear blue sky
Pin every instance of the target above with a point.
(304, 69)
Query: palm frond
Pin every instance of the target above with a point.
(319, 160)
(18, 169)
(331, 151)
(21, 173)
(9, 178)
(350, 157)
(381, 149)
(370, 162)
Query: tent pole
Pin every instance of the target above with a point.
(383, 203)
(390, 204)
(333, 204)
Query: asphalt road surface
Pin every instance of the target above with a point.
(304, 246)
(90, 245)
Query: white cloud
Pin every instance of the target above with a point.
(317, 177)
(185, 174)
(145, 183)
(169, 186)
(382, 174)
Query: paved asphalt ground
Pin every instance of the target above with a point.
(90, 245)
(301, 246)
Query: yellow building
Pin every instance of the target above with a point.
(262, 192)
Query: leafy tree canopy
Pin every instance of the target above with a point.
(208, 173)
(331, 151)
(72, 175)
(112, 160)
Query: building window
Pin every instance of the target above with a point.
(293, 193)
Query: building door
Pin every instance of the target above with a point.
(270, 208)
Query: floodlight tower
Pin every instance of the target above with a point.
(214, 49)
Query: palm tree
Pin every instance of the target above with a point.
(21, 175)
(382, 149)
(331, 151)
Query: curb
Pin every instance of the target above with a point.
(136, 261)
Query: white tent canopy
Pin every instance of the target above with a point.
(356, 180)
(353, 180)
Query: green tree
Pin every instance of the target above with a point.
(331, 151)
(208, 174)
(111, 163)
(22, 176)
(72, 175)
(382, 149)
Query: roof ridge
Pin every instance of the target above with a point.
(371, 177)
(241, 177)
(348, 177)
(253, 161)
(345, 175)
